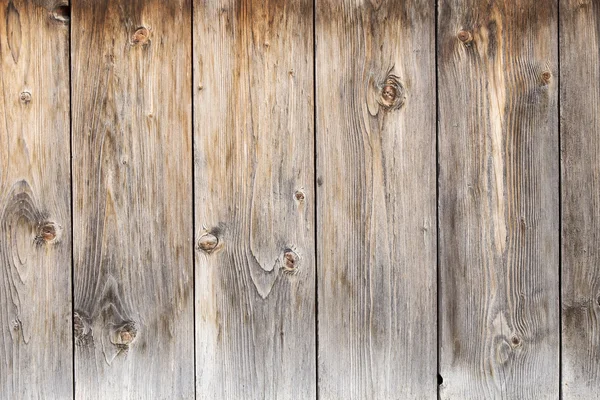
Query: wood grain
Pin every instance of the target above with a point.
(132, 184)
(35, 211)
(580, 142)
(254, 157)
(498, 199)
(376, 199)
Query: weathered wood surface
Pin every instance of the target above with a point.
(580, 141)
(35, 212)
(375, 71)
(498, 199)
(132, 199)
(254, 199)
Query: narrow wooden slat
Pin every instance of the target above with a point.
(580, 150)
(376, 199)
(253, 138)
(132, 183)
(35, 196)
(498, 204)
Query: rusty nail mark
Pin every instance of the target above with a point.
(290, 262)
(465, 37)
(25, 97)
(140, 36)
(392, 93)
(546, 76)
(208, 242)
(299, 195)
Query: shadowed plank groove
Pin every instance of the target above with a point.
(132, 170)
(35, 215)
(498, 205)
(376, 199)
(253, 138)
(580, 149)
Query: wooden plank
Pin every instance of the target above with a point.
(132, 183)
(498, 199)
(376, 199)
(253, 138)
(35, 197)
(580, 131)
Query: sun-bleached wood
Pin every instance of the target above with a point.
(35, 212)
(498, 199)
(580, 150)
(375, 71)
(254, 199)
(132, 199)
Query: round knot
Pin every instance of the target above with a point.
(290, 262)
(299, 195)
(546, 77)
(208, 242)
(392, 93)
(25, 97)
(465, 37)
(140, 36)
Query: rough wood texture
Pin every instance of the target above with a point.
(35, 216)
(132, 170)
(580, 144)
(498, 204)
(253, 138)
(376, 199)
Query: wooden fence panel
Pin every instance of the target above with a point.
(375, 71)
(498, 199)
(132, 183)
(580, 145)
(35, 197)
(254, 198)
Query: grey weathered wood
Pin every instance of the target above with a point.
(35, 211)
(253, 138)
(376, 199)
(580, 141)
(132, 184)
(498, 199)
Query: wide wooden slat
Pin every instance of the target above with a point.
(254, 198)
(132, 183)
(375, 67)
(35, 197)
(580, 150)
(498, 199)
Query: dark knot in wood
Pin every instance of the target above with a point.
(299, 195)
(47, 232)
(290, 262)
(140, 36)
(62, 13)
(392, 93)
(25, 97)
(546, 77)
(208, 242)
(465, 37)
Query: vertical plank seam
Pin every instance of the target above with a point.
(72, 200)
(316, 208)
(558, 108)
(193, 166)
(437, 203)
